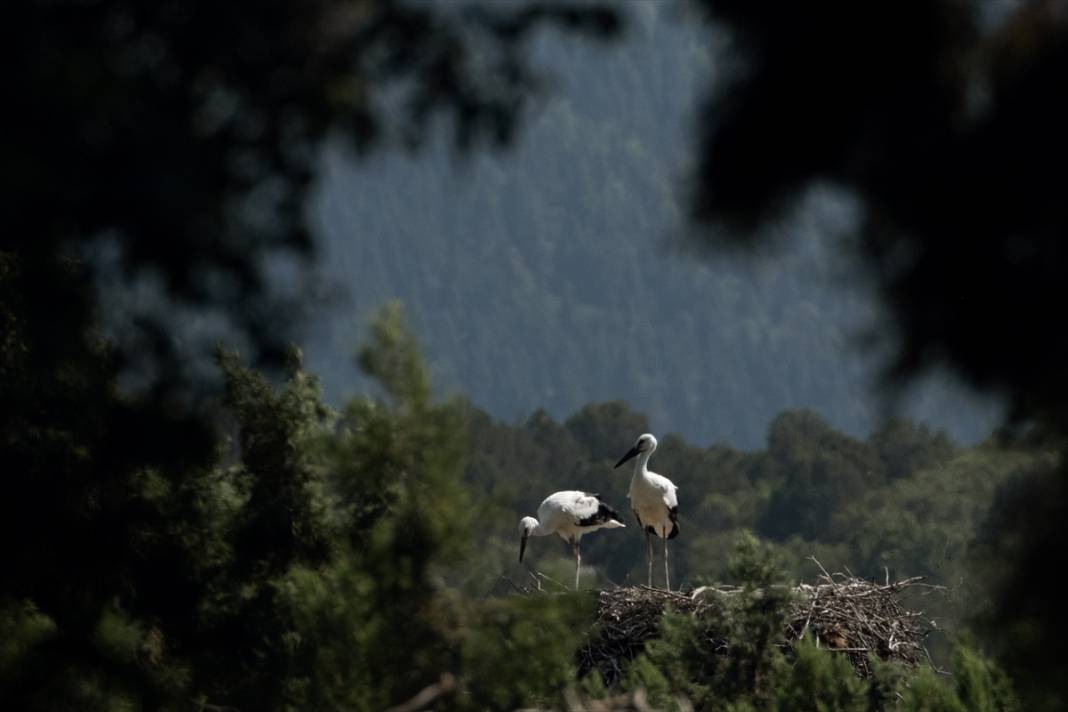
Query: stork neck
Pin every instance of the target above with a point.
(539, 530)
(641, 462)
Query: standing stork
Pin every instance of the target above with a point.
(569, 514)
(654, 500)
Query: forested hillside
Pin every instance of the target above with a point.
(276, 574)
(551, 275)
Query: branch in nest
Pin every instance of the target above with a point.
(843, 613)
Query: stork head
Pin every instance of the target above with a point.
(526, 526)
(645, 443)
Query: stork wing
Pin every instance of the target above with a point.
(597, 512)
(667, 489)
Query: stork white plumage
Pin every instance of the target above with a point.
(569, 514)
(654, 501)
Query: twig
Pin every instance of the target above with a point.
(427, 695)
(826, 575)
(551, 580)
(664, 591)
(808, 618)
(513, 585)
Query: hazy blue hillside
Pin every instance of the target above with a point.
(550, 276)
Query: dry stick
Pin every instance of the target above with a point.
(825, 574)
(811, 608)
(552, 580)
(513, 585)
(427, 695)
(867, 613)
(675, 594)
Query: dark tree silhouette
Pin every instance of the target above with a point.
(185, 137)
(949, 124)
(189, 133)
(952, 136)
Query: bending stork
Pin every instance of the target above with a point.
(654, 501)
(569, 514)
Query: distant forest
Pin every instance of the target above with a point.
(553, 274)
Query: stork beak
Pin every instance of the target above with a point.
(522, 547)
(630, 453)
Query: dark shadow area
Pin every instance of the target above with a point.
(950, 127)
(186, 136)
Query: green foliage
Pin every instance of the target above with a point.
(1016, 615)
(927, 693)
(821, 470)
(22, 628)
(285, 518)
(818, 681)
(976, 685)
(695, 659)
(644, 673)
(757, 618)
(905, 448)
(301, 570)
(518, 652)
(685, 659)
(981, 685)
(604, 427)
(729, 655)
(321, 558)
(395, 469)
(393, 360)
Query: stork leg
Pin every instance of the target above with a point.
(578, 561)
(667, 581)
(649, 556)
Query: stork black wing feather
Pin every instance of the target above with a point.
(603, 515)
(674, 514)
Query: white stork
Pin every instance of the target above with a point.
(654, 501)
(569, 514)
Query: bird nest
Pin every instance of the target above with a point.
(842, 613)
